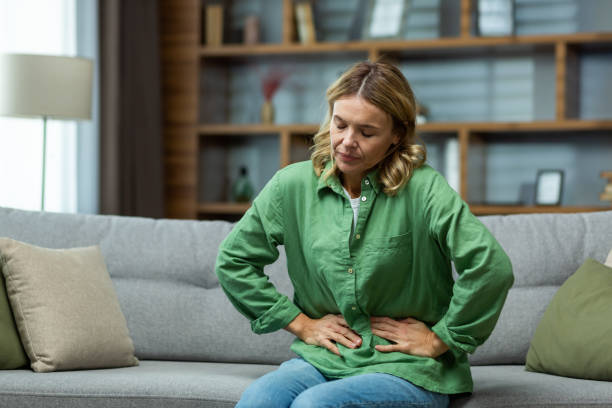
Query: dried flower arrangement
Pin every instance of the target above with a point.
(271, 81)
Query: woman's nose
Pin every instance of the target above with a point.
(349, 138)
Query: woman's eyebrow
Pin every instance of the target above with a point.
(360, 125)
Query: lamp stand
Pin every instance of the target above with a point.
(44, 163)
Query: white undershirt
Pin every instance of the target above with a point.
(355, 204)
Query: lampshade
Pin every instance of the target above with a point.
(45, 85)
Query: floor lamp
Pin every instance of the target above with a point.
(45, 86)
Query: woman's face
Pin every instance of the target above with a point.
(361, 134)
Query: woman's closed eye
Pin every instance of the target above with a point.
(342, 127)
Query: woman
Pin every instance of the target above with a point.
(370, 232)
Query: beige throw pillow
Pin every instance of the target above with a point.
(65, 307)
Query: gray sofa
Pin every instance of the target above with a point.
(197, 351)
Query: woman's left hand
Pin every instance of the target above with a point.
(410, 336)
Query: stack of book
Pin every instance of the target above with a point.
(607, 194)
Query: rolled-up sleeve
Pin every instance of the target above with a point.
(484, 270)
(250, 246)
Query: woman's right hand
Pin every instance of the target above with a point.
(324, 332)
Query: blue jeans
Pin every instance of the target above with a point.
(297, 384)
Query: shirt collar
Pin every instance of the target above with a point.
(333, 181)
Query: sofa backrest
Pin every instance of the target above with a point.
(163, 271)
(545, 249)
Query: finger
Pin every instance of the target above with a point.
(340, 338)
(331, 347)
(387, 348)
(410, 320)
(383, 326)
(385, 335)
(353, 337)
(340, 320)
(386, 320)
(346, 330)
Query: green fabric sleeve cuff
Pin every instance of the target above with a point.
(441, 329)
(277, 317)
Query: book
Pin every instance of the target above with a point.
(605, 196)
(214, 24)
(305, 23)
(386, 19)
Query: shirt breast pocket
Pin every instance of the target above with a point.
(389, 244)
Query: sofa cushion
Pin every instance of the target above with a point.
(133, 247)
(573, 337)
(163, 384)
(11, 351)
(198, 325)
(564, 241)
(192, 384)
(65, 307)
(512, 386)
(509, 342)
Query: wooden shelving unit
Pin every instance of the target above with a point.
(183, 54)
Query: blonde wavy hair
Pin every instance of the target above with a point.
(384, 86)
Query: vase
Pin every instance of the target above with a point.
(267, 112)
(242, 190)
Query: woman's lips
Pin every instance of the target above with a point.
(346, 157)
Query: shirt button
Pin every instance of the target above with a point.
(354, 308)
(367, 182)
(350, 270)
(363, 198)
(357, 236)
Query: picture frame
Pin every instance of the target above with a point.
(549, 187)
(495, 18)
(385, 19)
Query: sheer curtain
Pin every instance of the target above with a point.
(38, 27)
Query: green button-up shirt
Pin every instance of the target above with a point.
(396, 262)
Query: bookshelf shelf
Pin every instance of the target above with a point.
(502, 209)
(238, 209)
(449, 43)
(254, 129)
(433, 127)
(221, 208)
(535, 126)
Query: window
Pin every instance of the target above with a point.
(38, 27)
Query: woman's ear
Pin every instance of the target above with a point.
(396, 139)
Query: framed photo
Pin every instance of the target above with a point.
(549, 187)
(495, 17)
(385, 19)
